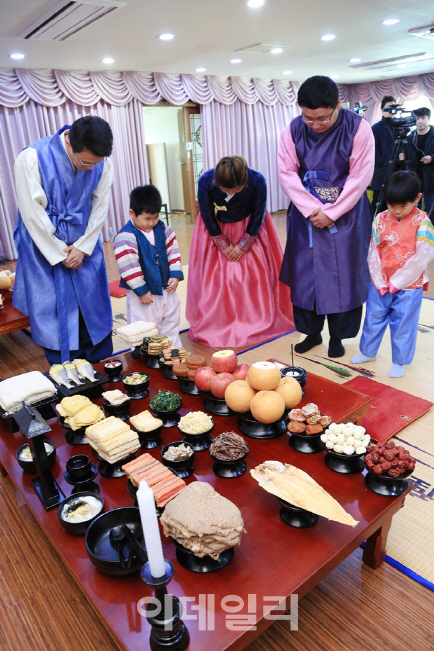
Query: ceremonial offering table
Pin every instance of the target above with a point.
(10, 318)
(274, 560)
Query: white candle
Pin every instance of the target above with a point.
(151, 531)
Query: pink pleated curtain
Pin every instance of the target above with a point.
(239, 115)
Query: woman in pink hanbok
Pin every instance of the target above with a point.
(234, 297)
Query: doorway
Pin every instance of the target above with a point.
(173, 145)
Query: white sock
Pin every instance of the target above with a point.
(358, 359)
(397, 370)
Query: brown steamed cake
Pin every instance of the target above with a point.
(194, 361)
(203, 521)
(180, 370)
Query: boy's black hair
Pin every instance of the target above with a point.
(318, 92)
(93, 133)
(401, 188)
(386, 99)
(421, 112)
(145, 198)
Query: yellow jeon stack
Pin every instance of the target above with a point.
(78, 411)
(113, 439)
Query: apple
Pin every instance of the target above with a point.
(241, 371)
(224, 361)
(203, 377)
(219, 383)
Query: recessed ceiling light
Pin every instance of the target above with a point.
(200, 69)
(391, 21)
(276, 50)
(287, 72)
(334, 76)
(401, 65)
(355, 60)
(253, 4)
(236, 60)
(108, 60)
(166, 37)
(17, 55)
(328, 37)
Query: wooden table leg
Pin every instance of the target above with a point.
(3, 472)
(375, 549)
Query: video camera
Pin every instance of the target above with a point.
(359, 109)
(403, 117)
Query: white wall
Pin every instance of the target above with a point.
(161, 125)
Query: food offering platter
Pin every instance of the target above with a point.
(43, 406)
(249, 426)
(325, 544)
(216, 406)
(87, 388)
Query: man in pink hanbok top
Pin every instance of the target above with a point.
(326, 161)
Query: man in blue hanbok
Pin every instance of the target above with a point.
(63, 184)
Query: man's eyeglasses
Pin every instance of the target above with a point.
(89, 164)
(318, 121)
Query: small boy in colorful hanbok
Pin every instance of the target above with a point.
(149, 262)
(401, 247)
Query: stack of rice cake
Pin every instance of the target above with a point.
(113, 439)
(78, 412)
(165, 485)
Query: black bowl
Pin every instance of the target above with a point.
(300, 374)
(170, 418)
(78, 528)
(295, 516)
(74, 436)
(132, 492)
(153, 361)
(121, 411)
(78, 467)
(200, 441)
(386, 485)
(306, 443)
(193, 563)
(114, 470)
(184, 467)
(97, 541)
(30, 466)
(113, 372)
(149, 440)
(136, 391)
(189, 387)
(216, 406)
(346, 464)
(249, 426)
(229, 468)
(168, 372)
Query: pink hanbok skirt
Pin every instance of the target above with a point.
(237, 303)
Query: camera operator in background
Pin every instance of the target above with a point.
(384, 140)
(421, 155)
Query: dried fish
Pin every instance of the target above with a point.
(85, 369)
(59, 376)
(72, 373)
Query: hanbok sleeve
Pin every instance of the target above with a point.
(414, 267)
(100, 202)
(127, 258)
(374, 261)
(206, 206)
(258, 212)
(32, 202)
(173, 255)
(289, 179)
(362, 161)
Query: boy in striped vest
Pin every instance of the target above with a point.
(149, 261)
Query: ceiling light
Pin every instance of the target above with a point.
(334, 76)
(391, 21)
(253, 4)
(17, 55)
(328, 37)
(401, 65)
(355, 60)
(236, 60)
(166, 37)
(200, 69)
(276, 50)
(287, 72)
(108, 60)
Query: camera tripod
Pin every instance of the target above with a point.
(399, 146)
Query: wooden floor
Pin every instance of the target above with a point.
(41, 609)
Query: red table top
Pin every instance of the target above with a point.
(10, 318)
(273, 558)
